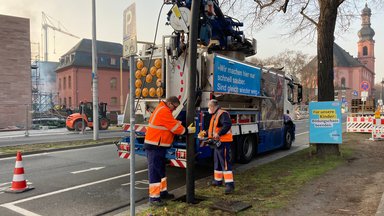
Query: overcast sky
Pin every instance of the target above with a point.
(75, 16)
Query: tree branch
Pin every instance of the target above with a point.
(307, 17)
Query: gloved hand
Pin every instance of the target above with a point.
(202, 134)
(191, 129)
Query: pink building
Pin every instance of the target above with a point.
(349, 72)
(74, 75)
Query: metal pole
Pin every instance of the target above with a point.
(191, 109)
(82, 119)
(95, 92)
(26, 121)
(132, 131)
(121, 85)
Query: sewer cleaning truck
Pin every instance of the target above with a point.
(259, 100)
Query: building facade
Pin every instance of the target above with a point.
(352, 75)
(15, 71)
(74, 75)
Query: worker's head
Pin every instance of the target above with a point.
(172, 102)
(212, 106)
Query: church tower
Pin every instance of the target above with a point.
(366, 44)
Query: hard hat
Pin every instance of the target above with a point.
(144, 92)
(158, 83)
(144, 71)
(148, 78)
(138, 74)
(158, 63)
(159, 92)
(140, 64)
(138, 83)
(138, 92)
(153, 70)
(152, 92)
(158, 73)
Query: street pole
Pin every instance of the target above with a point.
(132, 130)
(26, 121)
(95, 93)
(191, 109)
(121, 85)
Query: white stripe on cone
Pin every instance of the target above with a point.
(18, 177)
(19, 164)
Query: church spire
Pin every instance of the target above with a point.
(366, 32)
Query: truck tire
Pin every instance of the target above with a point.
(247, 148)
(79, 125)
(103, 124)
(288, 137)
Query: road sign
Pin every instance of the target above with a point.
(364, 94)
(364, 86)
(343, 99)
(130, 34)
(355, 93)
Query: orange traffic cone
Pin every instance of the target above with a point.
(19, 184)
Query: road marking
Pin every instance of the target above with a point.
(19, 210)
(87, 170)
(12, 206)
(5, 183)
(145, 182)
(306, 132)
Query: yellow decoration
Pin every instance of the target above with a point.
(158, 63)
(138, 83)
(144, 71)
(140, 64)
(159, 92)
(158, 83)
(152, 92)
(148, 78)
(158, 73)
(138, 92)
(144, 92)
(138, 74)
(153, 70)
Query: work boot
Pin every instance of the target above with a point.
(215, 183)
(167, 196)
(229, 189)
(157, 203)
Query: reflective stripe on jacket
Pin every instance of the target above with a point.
(162, 127)
(214, 128)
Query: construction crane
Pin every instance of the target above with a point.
(46, 23)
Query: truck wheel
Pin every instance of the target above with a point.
(79, 125)
(288, 137)
(104, 124)
(246, 148)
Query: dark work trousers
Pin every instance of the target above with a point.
(156, 171)
(222, 164)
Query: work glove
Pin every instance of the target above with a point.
(191, 129)
(202, 134)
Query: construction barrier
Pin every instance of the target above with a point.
(378, 129)
(19, 184)
(124, 150)
(360, 124)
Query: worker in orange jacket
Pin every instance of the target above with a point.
(220, 129)
(159, 136)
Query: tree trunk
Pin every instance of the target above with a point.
(325, 41)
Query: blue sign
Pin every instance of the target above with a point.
(343, 100)
(325, 122)
(364, 86)
(235, 77)
(355, 93)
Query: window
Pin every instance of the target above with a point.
(69, 82)
(113, 101)
(343, 82)
(365, 51)
(65, 101)
(64, 82)
(113, 83)
(113, 61)
(60, 84)
(69, 102)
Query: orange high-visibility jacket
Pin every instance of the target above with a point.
(162, 127)
(213, 127)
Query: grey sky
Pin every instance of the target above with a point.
(75, 15)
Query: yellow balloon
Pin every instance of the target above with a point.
(138, 92)
(153, 70)
(140, 64)
(138, 74)
(138, 83)
(144, 71)
(144, 92)
(158, 83)
(148, 78)
(152, 92)
(158, 63)
(159, 92)
(158, 73)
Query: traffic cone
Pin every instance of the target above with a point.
(19, 184)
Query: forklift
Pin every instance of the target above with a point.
(79, 121)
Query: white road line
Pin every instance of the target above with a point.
(306, 132)
(19, 210)
(1, 192)
(5, 183)
(87, 170)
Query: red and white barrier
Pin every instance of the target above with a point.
(138, 128)
(378, 129)
(360, 124)
(178, 163)
(124, 150)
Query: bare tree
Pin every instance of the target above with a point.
(306, 19)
